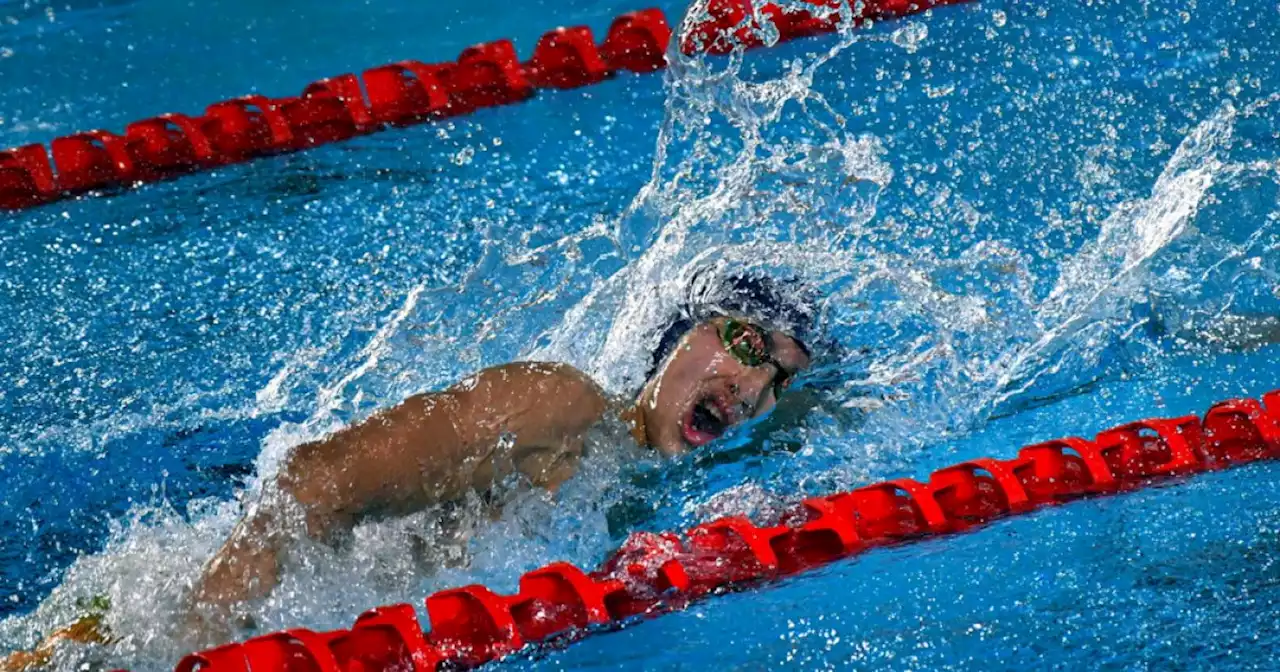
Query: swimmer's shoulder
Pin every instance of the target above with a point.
(545, 393)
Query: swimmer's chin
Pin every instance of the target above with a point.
(672, 450)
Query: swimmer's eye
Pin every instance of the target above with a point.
(750, 344)
(746, 342)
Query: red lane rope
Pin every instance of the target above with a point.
(654, 574)
(338, 108)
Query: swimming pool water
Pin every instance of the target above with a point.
(996, 173)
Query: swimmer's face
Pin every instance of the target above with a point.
(723, 372)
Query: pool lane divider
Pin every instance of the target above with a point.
(100, 162)
(654, 574)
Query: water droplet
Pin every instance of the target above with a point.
(910, 36)
(463, 157)
(939, 91)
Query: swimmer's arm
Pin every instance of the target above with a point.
(436, 447)
(431, 448)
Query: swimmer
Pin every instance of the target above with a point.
(715, 367)
(724, 360)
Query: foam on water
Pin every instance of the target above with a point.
(757, 170)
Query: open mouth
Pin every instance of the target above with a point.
(705, 422)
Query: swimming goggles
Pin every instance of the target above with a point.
(750, 345)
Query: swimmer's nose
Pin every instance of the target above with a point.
(754, 388)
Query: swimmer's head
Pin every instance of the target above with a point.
(732, 351)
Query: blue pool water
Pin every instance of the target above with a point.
(1024, 220)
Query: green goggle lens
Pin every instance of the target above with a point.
(749, 345)
(745, 342)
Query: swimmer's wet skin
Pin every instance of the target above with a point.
(89, 629)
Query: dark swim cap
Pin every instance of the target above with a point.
(782, 305)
